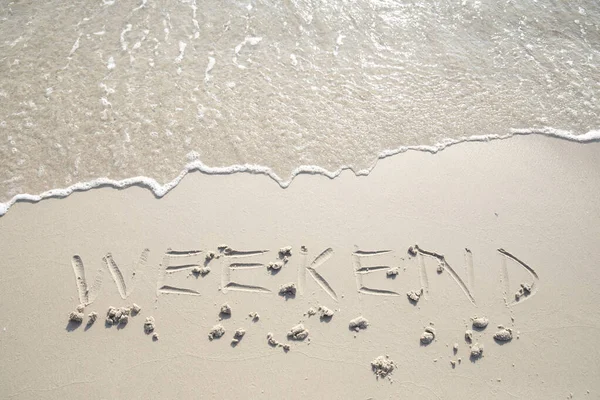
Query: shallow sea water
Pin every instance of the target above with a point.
(121, 89)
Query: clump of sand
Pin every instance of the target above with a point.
(135, 309)
(504, 334)
(238, 335)
(201, 271)
(117, 316)
(476, 351)
(298, 332)
(383, 366)
(155, 336)
(413, 251)
(225, 310)
(326, 313)
(440, 268)
(274, 266)
(92, 317)
(285, 252)
(358, 323)
(524, 291)
(149, 325)
(311, 311)
(428, 335)
(414, 296)
(479, 322)
(210, 255)
(216, 332)
(77, 315)
(392, 272)
(287, 290)
(469, 336)
(254, 316)
(274, 343)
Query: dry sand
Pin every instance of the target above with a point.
(492, 218)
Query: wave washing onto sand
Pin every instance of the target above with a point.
(161, 190)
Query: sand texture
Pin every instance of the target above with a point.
(499, 239)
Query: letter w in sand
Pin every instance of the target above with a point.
(88, 293)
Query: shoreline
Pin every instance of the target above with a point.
(160, 190)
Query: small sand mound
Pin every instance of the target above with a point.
(469, 336)
(216, 332)
(413, 251)
(201, 271)
(92, 317)
(428, 335)
(382, 366)
(155, 336)
(225, 309)
(414, 296)
(254, 315)
(135, 309)
(209, 256)
(274, 266)
(117, 316)
(392, 272)
(238, 335)
(76, 316)
(524, 291)
(274, 343)
(149, 325)
(504, 334)
(298, 332)
(358, 323)
(440, 268)
(285, 252)
(311, 311)
(480, 322)
(287, 290)
(476, 351)
(326, 313)
(80, 308)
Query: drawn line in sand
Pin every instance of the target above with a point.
(360, 270)
(371, 252)
(246, 265)
(527, 290)
(377, 292)
(226, 282)
(116, 274)
(228, 251)
(183, 253)
(444, 265)
(175, 290)
(470, 271)
(312, 270)
(176, 268)
(366, 270)
(244, 288)
(87, 294)
(79, 271)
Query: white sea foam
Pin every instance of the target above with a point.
(160, 190)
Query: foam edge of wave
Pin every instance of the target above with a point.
(197, 165)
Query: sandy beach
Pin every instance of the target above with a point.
(474, 271)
